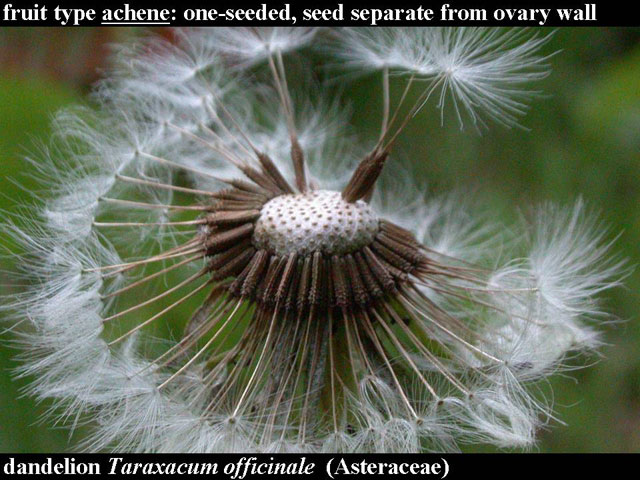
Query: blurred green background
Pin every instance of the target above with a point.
(583, 140)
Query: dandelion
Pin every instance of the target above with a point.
(303, 308)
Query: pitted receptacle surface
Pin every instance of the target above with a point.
(319, 220)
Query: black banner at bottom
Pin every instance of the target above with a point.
(313, 466)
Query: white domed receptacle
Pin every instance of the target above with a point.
(320, 220)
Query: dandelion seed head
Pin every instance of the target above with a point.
(326, 310)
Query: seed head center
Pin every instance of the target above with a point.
(319, 220)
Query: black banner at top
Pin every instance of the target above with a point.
(317, 13)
